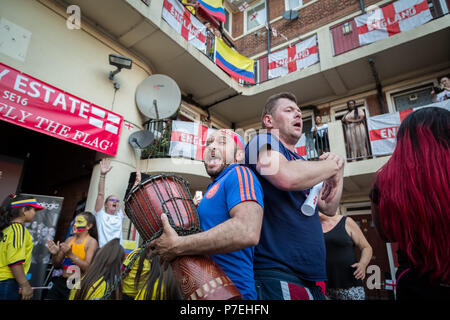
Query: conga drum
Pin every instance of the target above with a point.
(198, 277)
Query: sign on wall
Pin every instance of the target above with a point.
(30, 103)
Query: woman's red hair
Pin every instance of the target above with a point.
(414, 190)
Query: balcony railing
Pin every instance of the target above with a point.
(159, 148)
(345, 35)
(317, 143)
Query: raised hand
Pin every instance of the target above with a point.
(105, 166)
(53, 247)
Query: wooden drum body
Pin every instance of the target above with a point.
(198, 277)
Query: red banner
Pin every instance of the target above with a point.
(36, 105)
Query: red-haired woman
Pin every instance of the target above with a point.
(411, 206)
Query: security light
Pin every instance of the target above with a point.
(119, 62)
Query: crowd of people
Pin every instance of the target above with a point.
(253, 225)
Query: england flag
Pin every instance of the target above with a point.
(391, 19)
(295, 58)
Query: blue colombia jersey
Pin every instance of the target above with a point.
(234, 185)
(289, 241)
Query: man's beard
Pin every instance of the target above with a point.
(216, 172)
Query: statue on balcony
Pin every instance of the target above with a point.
(355, 131)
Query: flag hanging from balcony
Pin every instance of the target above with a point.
(391, 19)
(188, 139)
(184, 22)
(233, 63)
(300, 146)
(295, 58)
(383, 131)
(214, 8)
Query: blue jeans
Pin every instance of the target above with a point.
(278, 285)
(9, 290)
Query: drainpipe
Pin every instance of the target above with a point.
(361, 4)
(378, 85)
(268, 26)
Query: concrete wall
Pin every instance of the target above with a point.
(76, 61)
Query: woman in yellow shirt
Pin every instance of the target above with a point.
(74, 255)
(160, 285)
(137, 275)
(103, 272)
(16, 245)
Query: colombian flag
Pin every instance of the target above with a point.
(233, 63)
(214, 8)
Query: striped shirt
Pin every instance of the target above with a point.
(16, 246)
(234, 185)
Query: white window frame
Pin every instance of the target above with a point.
(287, 7)
(392, 93)
(337, 109)
(189, 113)
(247, 11)
(230, 16)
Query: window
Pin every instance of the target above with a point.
(255, 17)
(413, 98)
(227, 24)
(292, 4)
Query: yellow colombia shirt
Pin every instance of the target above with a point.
(97, 291)
(142, 293)
(16, 246)
(128, 281)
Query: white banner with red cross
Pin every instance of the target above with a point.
(295, 58)
(185, 23)
(36, 105)
(188, 139)
(383, 131)
(300, 147)
(391, 19)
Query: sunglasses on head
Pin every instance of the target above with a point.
(114, 200)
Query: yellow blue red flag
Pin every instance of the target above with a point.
(233, 63)
(214, 8)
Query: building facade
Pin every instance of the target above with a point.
(67, 46)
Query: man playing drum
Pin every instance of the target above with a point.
(230, 213)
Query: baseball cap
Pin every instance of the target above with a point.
(27, 202)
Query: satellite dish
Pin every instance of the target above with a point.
(141, 139)
(158, 97)
(290, 14)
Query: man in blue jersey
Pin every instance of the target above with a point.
(290, 257)
(230, 213)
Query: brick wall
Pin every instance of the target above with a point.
(317, 14)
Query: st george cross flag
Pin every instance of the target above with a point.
(391, 19)
(300, 146)
(383, 131)
(383, 128)
(188, 139)
(214, 8)
(295, 58)
(184, 22)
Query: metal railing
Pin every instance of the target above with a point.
(345, 35)
(159, 148)
(356, 138)
(317, 143)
